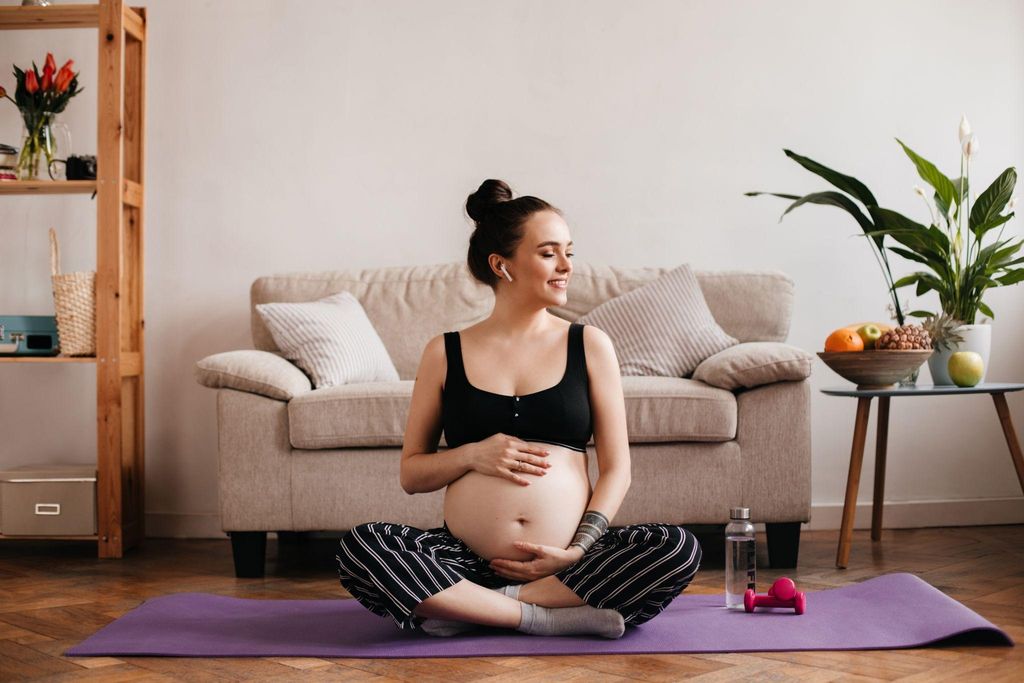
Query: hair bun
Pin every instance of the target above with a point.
(490, 193)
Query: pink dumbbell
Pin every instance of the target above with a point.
(783, 593)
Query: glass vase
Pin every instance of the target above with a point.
(44, 139)
(911, 379)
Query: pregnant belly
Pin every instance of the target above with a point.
(489, 513)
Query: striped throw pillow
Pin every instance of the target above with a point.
(663, 328)
(331, 339)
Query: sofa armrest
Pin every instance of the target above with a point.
(257, 372)
(752, 364)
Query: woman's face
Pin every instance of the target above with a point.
(543, 256)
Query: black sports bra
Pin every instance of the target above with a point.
(557, 415)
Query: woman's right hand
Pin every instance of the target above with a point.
(508, 457)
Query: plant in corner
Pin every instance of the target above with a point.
(959, 266)
(39, 98)
(961, 269)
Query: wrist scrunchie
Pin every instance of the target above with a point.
(591, 528)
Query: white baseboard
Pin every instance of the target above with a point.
(910, 514)
(913, 514)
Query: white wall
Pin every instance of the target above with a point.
(293, 136)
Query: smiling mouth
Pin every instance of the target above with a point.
(558, 284)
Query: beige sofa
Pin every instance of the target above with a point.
(296, 459)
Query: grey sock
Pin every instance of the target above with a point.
(451, 627)
(569, 621)
(511, 590)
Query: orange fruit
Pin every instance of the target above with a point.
(844, 339)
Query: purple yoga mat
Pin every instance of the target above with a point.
(891, 611)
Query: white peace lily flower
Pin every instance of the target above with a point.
(920, 190)
(972, 146)
(1013, 203)
(965, 128)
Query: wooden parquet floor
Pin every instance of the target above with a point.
(53, 595)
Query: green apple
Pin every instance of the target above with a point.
(965, 368)
(869, 334)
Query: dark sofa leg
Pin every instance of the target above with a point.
(249, 549)
(783, 543)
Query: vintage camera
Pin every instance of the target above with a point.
(80, 167)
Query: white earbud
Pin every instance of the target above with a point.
(502, 267)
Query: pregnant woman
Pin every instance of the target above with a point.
(525, 542)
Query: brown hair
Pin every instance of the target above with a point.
(499, 225)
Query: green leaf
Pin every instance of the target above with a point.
(846, 183)
(929, 242)
(995, 197)
(913, 256)
(1000, 257)
(986, 310)
(926, 282)
(922, 314)
(908, 280)
(833, 199)
(1012, 277)
(959, 187)
(774, 194)
(887, 218)
(933, 176)
(936, 264)
(995, 222)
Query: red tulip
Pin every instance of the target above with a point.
(50, 63)
(69, 65)
(31, 84)
(64, 78)
(3, 93)
(47, 77)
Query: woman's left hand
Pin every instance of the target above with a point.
(547, 560)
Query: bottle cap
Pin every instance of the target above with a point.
(739, 513)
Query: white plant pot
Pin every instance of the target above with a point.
(977, 338)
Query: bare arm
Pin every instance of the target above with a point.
(610, 437)
(423, 469)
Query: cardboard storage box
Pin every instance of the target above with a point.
(48, 500)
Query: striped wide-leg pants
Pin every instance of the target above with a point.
(637, 569)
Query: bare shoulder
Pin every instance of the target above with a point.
(597, 344)
(434, 359)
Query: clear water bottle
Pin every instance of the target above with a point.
(739, 557)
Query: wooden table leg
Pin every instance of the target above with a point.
(1011, 435)
(860, 430)
(881, 441)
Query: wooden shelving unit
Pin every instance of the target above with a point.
(119, 188)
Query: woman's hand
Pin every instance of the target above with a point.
(547, 560)
(507, 457)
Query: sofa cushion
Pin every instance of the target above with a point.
(752, 364)
(658, 409)
(662, 329)
(331, 339)
(258, 372)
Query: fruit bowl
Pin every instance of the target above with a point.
(875, 369)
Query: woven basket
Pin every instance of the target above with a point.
(74, 301)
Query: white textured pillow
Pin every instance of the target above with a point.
(663, 328)
(331, 339)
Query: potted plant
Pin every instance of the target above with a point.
(959, 266)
